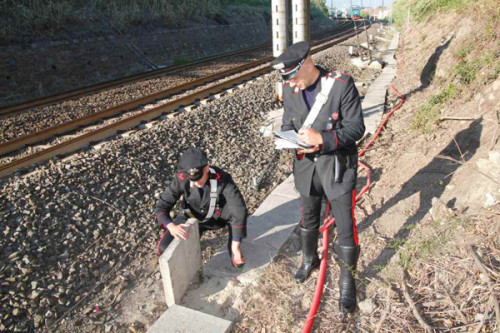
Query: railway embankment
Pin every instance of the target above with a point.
(78, 245)
(428, 228)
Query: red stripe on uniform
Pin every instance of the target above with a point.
(336, 139)
(159, 242)
(354, 227)
(301, 215)
(343, 81)
(238, 227)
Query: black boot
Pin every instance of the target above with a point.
(310, 259)
(348, 258)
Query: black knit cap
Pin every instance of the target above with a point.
(193, 158)
(289, 62)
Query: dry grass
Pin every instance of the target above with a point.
(275, 303)
(444, 283)
(450, 290)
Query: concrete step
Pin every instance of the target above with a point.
(179, 319)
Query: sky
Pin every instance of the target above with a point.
(366, 3)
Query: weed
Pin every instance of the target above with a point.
(378, 267)
(425, 246)
(428, 114)
(182, 60)
(424, 118)
(462, 53)
(467, 70)
(396, 243)
(409, 226)
(422, 9)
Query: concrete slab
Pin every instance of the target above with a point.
(374, 101)
(180, 263)
(179, 319)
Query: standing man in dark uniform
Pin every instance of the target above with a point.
(209, 195)
(328, 169)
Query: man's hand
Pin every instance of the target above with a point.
(178, 230)
(308, 151)
(311, 136)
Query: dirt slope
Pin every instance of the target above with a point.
(432, 216)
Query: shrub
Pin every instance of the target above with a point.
(428, 114)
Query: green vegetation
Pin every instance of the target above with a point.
(396, 243)
(467, 70)
(25, 18)
(253, 3)
(428, 114)
(179, 61)
(318, 7)
(462, 53)
(29, 16)
(421, 9)
(423, 246)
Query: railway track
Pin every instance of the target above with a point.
(18, 108)
(252, 70)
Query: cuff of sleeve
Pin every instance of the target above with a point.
(330, 140)
(164, 219)
(239, 232)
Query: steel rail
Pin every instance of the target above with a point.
(18, 108)
(102, 133)
(36, 137)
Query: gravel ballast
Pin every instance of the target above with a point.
(68, 225)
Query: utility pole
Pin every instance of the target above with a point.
(356, 29)
(408, 18)
(367, 41)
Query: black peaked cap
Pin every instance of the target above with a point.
(192, 158)
(292, 55)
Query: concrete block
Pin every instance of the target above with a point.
(376, 64)
(179, 264)
(179, 319)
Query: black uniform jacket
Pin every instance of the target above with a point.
(230, 203)
(340, 123)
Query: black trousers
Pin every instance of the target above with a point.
(342, 208)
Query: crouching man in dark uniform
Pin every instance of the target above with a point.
(209, 195)
(325, 109)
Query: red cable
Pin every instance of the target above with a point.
(381, 127)
(306, 328)
(322, 268)
(322, 274)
